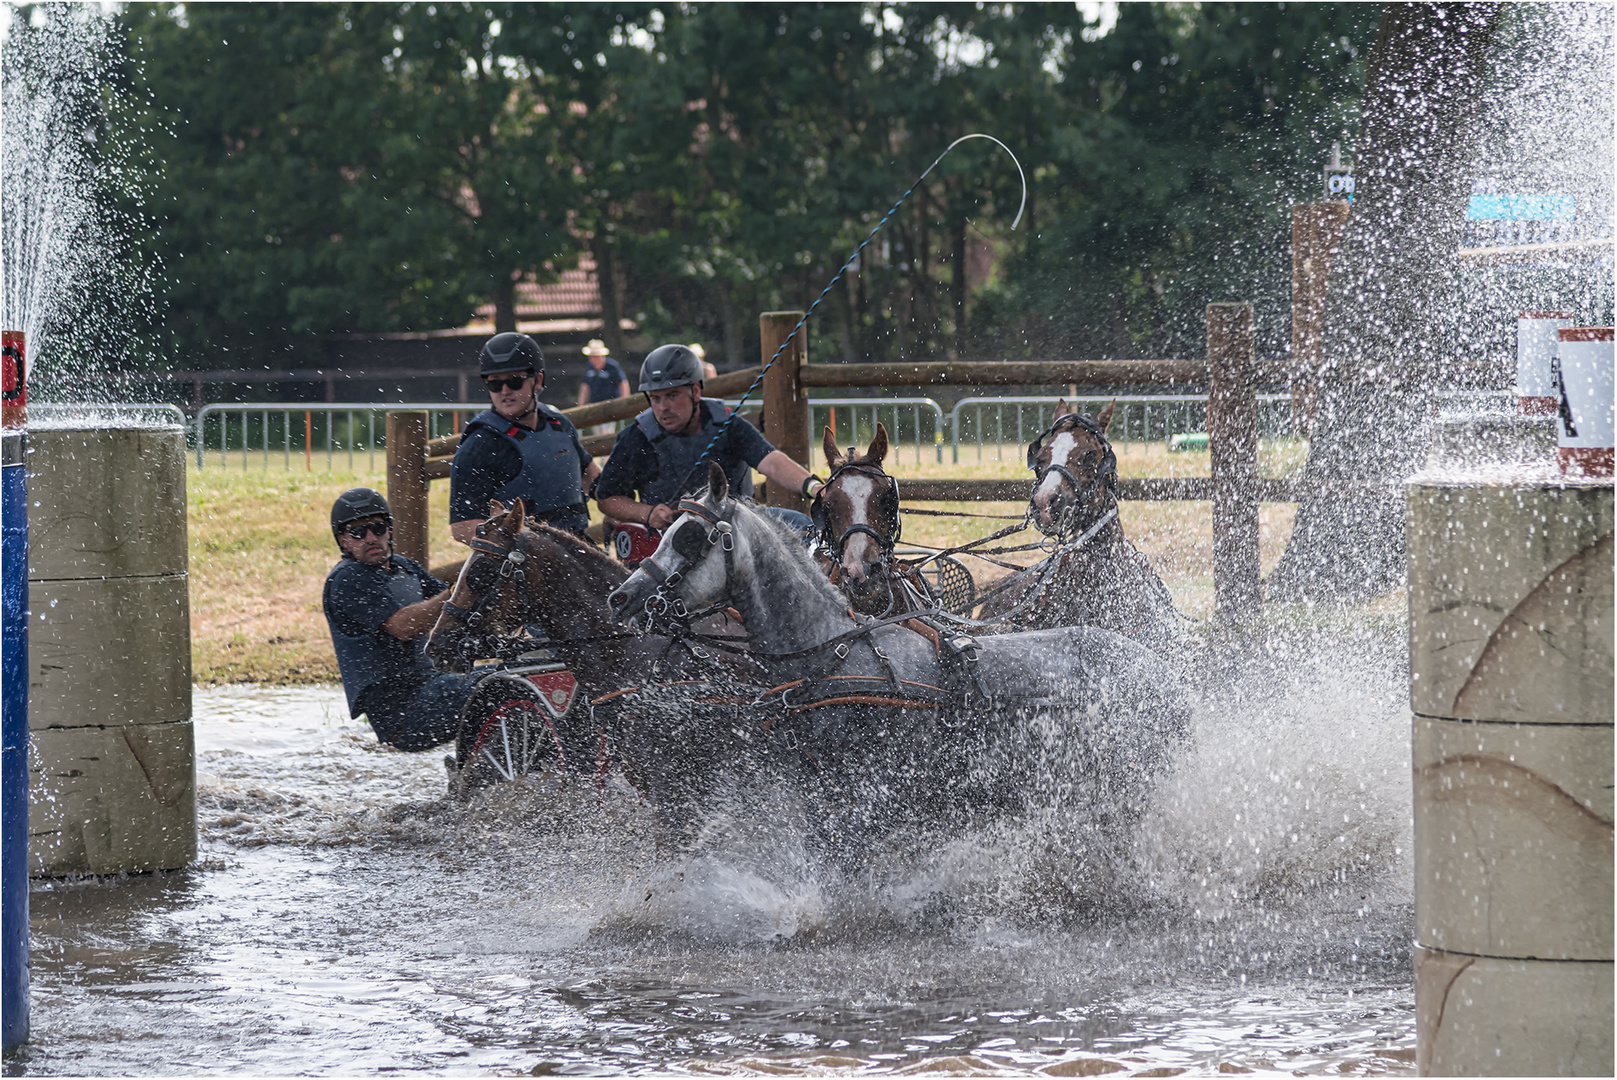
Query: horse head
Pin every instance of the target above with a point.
(690, 569)
(1074, 472)
(489, 600)
(857, 516)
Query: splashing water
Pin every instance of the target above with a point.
(71, 276)
(1544, 166)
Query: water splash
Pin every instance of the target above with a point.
(1544, 160)
(72, 273)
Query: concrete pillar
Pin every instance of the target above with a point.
(1510, 604)
(112, 773)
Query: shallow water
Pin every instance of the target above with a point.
(345, 918)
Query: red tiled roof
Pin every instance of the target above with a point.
(575, 293)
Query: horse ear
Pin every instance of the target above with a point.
(496, 508)
(1062, 408)
(1103, 419)
(718, 485)
(513, 521)
(833, 456)
(878, 445)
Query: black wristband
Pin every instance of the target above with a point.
(810, 479)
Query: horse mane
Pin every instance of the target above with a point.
(793, 555)
(602, 569)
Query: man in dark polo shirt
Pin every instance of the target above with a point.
(654, 460)
(380, 607)
(603, 380)
(520, 448)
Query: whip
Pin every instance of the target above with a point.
(736, 411)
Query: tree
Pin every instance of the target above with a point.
(1390, 305)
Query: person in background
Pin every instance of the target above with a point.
(701, 354)
(519, 448)
(604, 380)
(654, 461)
(380, 607)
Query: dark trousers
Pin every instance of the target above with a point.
(423, 718)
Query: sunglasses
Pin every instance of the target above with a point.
(375, 528)
(510, 382)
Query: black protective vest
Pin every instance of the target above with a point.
(552, 472)
(677, 456)
(366, 659)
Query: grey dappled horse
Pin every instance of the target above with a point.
(884, 725)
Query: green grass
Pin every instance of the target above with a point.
(260, 544)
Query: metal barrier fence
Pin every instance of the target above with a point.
(916, 421)
(918, 425)
(1146, 418)
(281, 430)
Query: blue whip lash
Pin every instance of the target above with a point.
(736, 411)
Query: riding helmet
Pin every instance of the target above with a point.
(668, 366)
(510, 352)
(356, 503)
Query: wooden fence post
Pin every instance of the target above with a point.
(786, 405)
(1316, 230)
(1232, 425)
(407, 482)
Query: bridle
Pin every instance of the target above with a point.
(692, 546)
(1067, 528)
(487, 581)
(833, 545)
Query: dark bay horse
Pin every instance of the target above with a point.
(527, 574)
(859, 521)
(883, 723)
(1095, 576)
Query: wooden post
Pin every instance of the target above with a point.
(407, 482)
(786, 406)
(1316, 230)
(1232, 426)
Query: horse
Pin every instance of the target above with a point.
(1095, 576)
(889, 723)
(527, 574)
(857, 520)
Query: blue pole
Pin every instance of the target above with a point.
(14, 743)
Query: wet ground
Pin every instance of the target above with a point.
(346, 918)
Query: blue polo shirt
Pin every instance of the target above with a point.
(604, 384)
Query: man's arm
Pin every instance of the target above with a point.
(623, 388)
(583, 392)
(782, 471)
(623, 508)
(410, 622)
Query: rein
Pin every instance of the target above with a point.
(511, 570)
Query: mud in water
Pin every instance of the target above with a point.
(346, 917)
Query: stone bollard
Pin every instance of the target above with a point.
(112, 772)
(1510, 604)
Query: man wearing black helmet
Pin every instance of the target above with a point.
(654, 461)
(520, 448)
(380, 607)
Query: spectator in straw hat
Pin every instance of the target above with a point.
(603, 380)
(701, 354)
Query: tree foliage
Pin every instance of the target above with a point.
(382, 167)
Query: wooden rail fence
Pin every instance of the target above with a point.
(1231, 372)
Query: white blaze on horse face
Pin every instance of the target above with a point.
(1061, 446)
(861, 549)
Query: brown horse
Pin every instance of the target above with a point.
(524, 575)
(858, 520)
(1095, 576)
